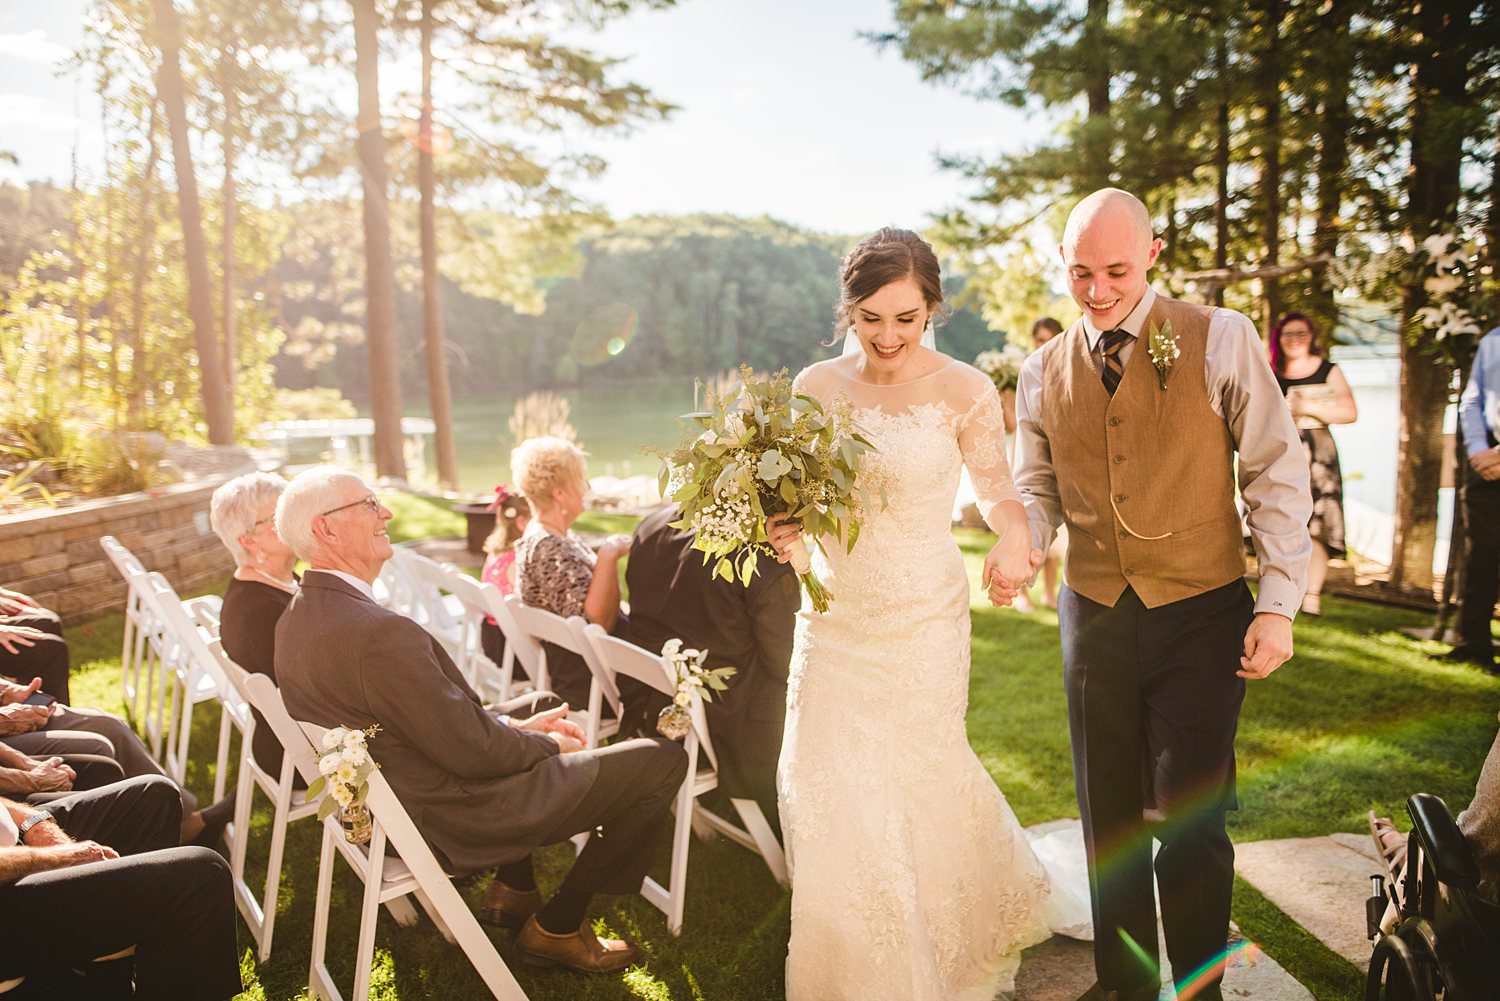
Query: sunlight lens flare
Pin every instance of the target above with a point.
(604, 333)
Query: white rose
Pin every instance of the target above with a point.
(354, 738)
(332, 738)
(355, 756)
(329, 763)
(670, 647)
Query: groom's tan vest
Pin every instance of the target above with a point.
(1146, 478)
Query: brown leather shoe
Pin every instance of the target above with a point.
(582, 950)
(507, 907)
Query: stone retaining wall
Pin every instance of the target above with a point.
(54, 555)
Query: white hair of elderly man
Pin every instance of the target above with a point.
(310, 494)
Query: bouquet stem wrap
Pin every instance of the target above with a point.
(801, 562)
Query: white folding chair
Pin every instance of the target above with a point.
(537, 626)
(616, 656)
(137, 623)
(288, 804)
(482, 600)
(439, 613)
(189, 675)
(414, 871)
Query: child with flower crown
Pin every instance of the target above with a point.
(512, 515)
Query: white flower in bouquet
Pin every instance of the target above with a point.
(766, 450)
(344, 769)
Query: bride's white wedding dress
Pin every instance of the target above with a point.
(911, 878)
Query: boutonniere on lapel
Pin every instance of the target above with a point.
(1162, 344)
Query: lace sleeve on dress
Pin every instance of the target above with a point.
(981, 439)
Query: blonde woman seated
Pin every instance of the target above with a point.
(555, 570)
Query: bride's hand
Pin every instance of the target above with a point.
(1010, 566)
(781, 531)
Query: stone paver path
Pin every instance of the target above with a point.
(1321, 883)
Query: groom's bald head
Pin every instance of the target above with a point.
(1119, 212)
(1108, 249)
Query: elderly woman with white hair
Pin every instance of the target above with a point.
(555, 570)
(243, 514)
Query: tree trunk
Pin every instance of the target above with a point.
(1270, 176)
(380, 271)
(1097, 171)
(1221, 165)
(229, 85)
(217, 411)
(438, 393)
(1333, 157)
(135, 408)
(1438, 97)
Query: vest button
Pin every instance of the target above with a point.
(1115, 422)
(1129, 571)
(1119, 459)
(1124, 534)
(1119, 498)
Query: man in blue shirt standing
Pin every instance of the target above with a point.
(1479, 424)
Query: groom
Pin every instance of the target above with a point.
(1128, 427)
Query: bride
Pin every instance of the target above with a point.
(911, 877)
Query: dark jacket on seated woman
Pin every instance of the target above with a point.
(247, 628)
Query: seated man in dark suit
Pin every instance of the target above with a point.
(672, 594)
(485, 791)
(94, 874)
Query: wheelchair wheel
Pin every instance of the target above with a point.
(1402, 969)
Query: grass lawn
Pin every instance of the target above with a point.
(1360, 719)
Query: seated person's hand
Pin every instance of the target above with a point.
(616, 546)
(51, 775)
(12, 638)
(11, 693)
(16, 719)
(76, 853)
(12, 602)
(555, 724)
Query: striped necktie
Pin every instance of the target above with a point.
(1112, 342)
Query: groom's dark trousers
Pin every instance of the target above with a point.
(1153, 702)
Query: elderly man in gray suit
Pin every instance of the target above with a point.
(483, 790)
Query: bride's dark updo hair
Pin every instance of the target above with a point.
(888, 256)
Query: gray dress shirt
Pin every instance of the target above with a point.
(1272, 466)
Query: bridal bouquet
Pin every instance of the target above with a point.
(344, 771)
(766, 450)
(1002, 366)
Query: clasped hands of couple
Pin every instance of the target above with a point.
(1012, 563)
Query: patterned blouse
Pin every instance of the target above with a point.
(553, 571)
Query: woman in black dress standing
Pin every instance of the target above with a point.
(1318, 395)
